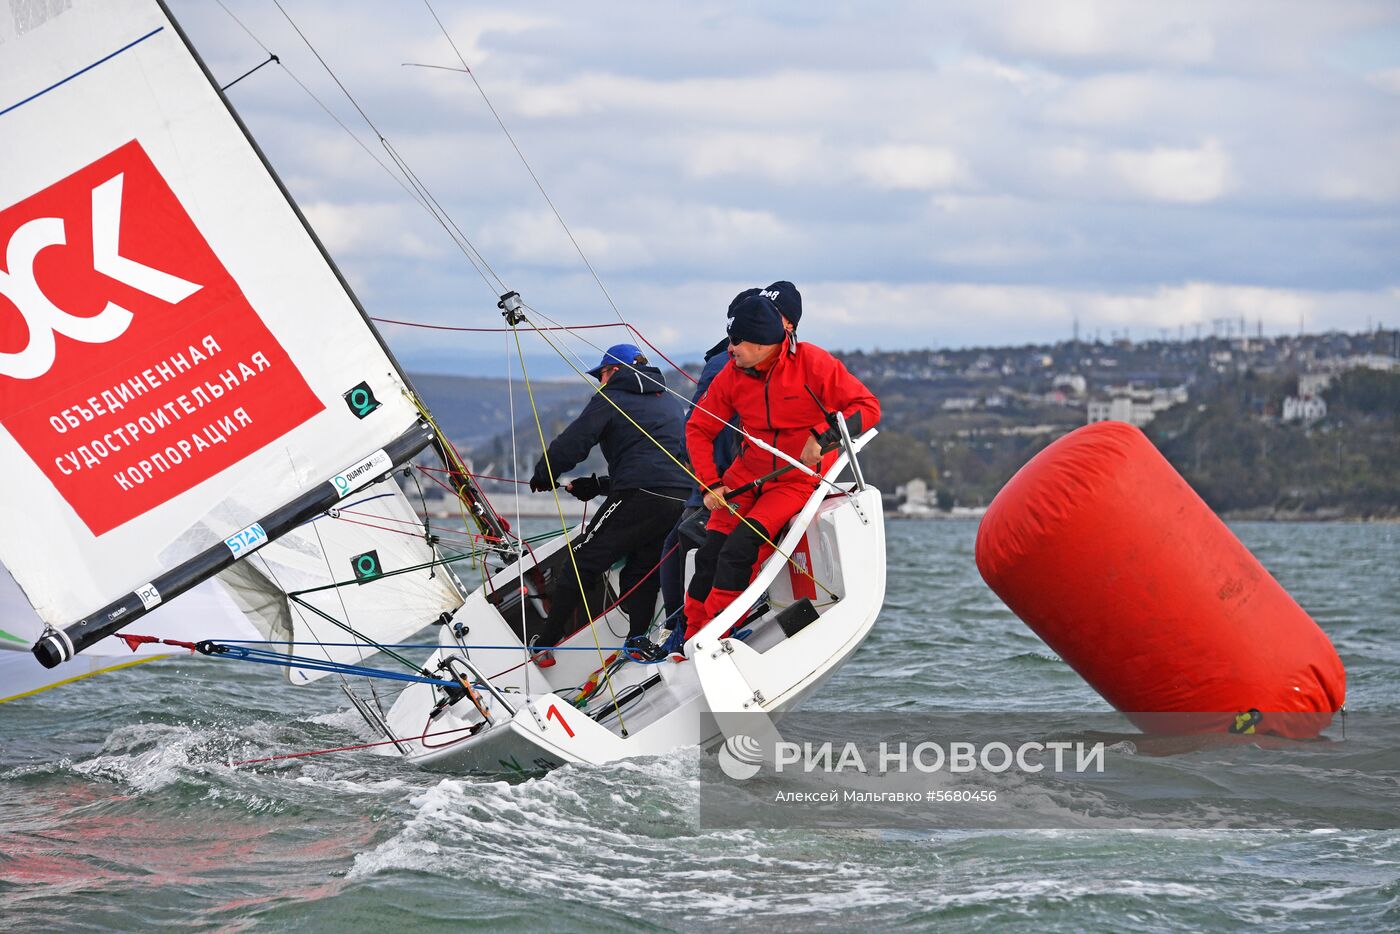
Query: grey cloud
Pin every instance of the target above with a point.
(1114, 148)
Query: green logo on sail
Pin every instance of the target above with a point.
(366, 566)
(361, 400)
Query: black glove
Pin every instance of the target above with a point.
(541, 482)
(828, 438)
(832, 436)
(585, 488)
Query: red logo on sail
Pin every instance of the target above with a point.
(132, 367)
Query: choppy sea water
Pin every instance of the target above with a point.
(117, 811)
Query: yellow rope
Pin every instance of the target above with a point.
(568, 544)
(455, 463)
(758, 530)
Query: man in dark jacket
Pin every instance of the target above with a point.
(639, 428)
(674, 549)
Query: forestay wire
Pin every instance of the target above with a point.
(525, 162)
(406, 178)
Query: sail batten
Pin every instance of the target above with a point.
(181, 364)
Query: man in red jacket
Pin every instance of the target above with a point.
(770, 384)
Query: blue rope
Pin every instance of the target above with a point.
(416, 645)
(262, 657)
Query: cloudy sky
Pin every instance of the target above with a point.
(930, 174)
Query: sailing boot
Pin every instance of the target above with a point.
(715, 604)
(695, 616)
(642, 649)
(676, 637)
(691, 619)
(543, 658)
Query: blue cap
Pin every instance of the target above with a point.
(617, 355)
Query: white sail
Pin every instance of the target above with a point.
(178, 357)
(369, 537)
(207, 610)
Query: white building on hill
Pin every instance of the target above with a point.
(1134, 406)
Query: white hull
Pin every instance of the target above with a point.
(765, 672)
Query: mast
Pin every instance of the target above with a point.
(463, 483)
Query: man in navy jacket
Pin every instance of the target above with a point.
(640, 429)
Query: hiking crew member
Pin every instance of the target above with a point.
(770, 384)
(645, 489)
(789, 302)
(674, 549)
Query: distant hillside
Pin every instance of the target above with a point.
(1233, 450)
(965, 420)
(475, 413)
(473, 410)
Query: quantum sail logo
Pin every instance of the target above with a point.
(371, 468)
(132, 366)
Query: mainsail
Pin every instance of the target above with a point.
(184, 376)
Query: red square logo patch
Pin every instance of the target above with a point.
(131, 365)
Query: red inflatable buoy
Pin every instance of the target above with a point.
(1101, 547)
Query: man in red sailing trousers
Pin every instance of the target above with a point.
(773, 383)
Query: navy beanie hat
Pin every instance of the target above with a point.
(756, 319)
(739, 298)
(789, 301)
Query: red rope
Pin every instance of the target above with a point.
(577, 327)
(673, 363)
(445, 327)
(638, 583)
(438, 531)
(415, 534)
(322, 752)
(425, 473)
(614, 605)
(422, 736)
(479, 476)
(134, 642)
(485, 501)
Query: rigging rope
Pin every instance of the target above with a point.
(320, 103)
(557, 327)
(525, 162)
(392, 741)
(568, 544)
(427, 200)
(464, 244)
(268, 61)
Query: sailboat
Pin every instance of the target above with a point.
(190, 392)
